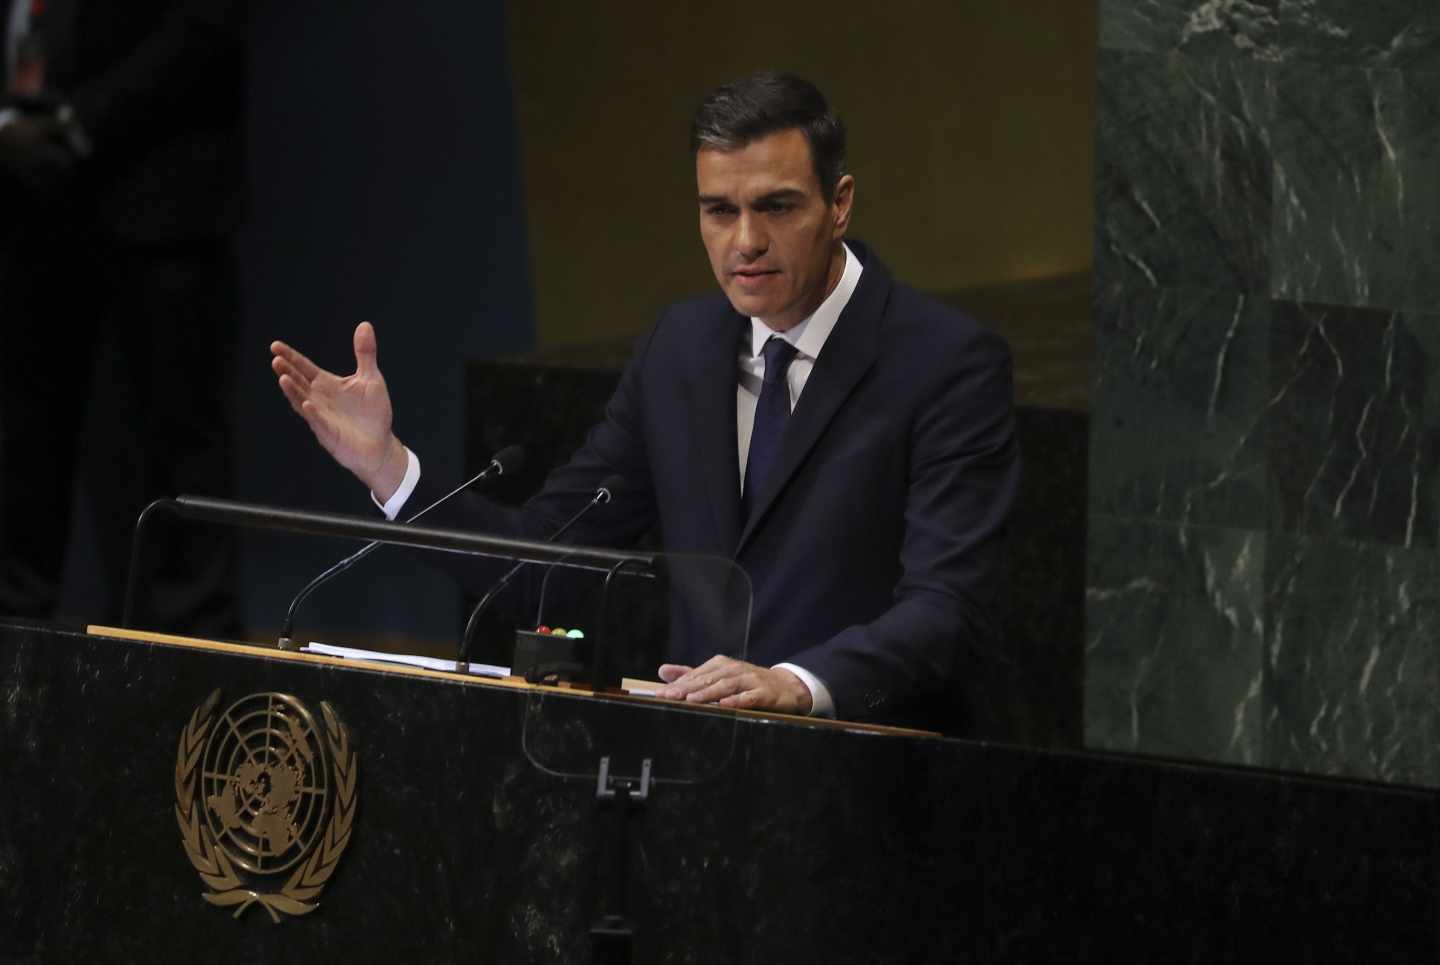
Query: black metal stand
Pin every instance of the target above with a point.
(613, 933)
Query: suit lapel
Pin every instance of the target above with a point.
(712, 388)
(848, 354)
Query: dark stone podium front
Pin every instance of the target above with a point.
(764, 840)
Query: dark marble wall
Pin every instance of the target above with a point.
(1264, 544)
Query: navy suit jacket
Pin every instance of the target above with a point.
(874, 549)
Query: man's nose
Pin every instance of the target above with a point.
(750, 237)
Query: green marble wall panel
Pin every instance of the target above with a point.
(1183, 171)
(1174, 636)
(1267, 319)
(1176, 430)
(1354, 424)
(1369, 33)
(1352, 671)
(1356, 199)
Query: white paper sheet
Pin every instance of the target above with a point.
(409, 660)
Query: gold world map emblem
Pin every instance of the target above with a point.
(262, 790)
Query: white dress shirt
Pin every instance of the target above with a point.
(809, 338)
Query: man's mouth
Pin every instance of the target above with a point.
(753, 277)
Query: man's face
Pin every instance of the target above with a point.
(767, 227)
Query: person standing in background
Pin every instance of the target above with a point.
(120, 183)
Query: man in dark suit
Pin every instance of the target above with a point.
(847, 441)
(120, 186)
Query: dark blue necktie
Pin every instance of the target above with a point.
(771, 411)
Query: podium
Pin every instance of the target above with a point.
(462, 838)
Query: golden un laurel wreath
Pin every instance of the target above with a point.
(262, 791)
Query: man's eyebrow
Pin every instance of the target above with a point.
(783, 194)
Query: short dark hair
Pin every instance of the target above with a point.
(753, 107)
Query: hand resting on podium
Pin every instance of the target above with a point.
(735, 683)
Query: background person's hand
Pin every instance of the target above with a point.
(33, 155)
(350, 416)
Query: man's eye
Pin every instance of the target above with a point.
(720, 210)
(776, 207)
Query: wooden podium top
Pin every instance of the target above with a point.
(519, 683)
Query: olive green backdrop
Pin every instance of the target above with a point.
(971, 140)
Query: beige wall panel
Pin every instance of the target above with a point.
(971, 140)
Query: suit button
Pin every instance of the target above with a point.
(873, 700)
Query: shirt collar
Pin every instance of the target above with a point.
(810, 334)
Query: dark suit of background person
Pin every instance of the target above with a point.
(134, 244)
(874, 550)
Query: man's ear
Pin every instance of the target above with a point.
(844, 199)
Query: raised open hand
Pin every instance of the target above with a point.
(350, 416)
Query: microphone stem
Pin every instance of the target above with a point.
(494, 467)
(462, 662)
(285, 641)
(285, 631)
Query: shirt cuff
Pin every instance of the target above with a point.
(821, 704)
(407, 486)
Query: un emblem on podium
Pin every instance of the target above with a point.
(263, 790)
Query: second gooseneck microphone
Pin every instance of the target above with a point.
(505, 462)
(603, 494)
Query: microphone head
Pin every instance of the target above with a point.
(610, 487)
(508, 460)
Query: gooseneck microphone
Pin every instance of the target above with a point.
(603, 494)
(506, 461)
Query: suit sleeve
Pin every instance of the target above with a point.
(964, 467)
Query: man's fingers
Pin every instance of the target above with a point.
(306, 368)
(732, 683)
(691, 681)
(686, 683)
(307, 409)
(677, 689)
(716, 692)
(366, 350)
(716, 666)
(293, 393)
(314, 413)
(670, 672)
(724, 687)
(284, 369)
(745, 700)
(325, 432)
